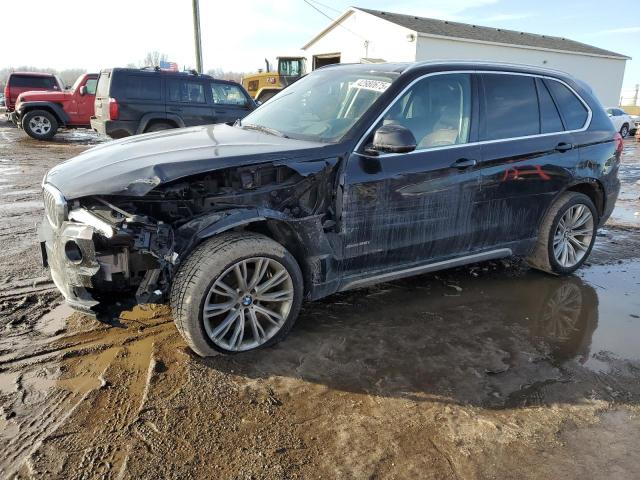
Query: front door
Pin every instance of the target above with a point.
(86, 102)
(415, 207)
(229, 102)
(187, 98)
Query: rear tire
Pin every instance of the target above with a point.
(216, 312)
(158, 127)
(39, 124)
(566, 236)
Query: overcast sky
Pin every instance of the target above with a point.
(239, 35)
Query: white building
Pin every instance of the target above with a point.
(363, 35)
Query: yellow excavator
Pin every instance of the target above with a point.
(264, 85)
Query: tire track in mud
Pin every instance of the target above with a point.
(83, 413)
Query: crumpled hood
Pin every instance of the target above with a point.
(135, 165)
(42, 96)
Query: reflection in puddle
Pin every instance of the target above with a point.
(499, 337)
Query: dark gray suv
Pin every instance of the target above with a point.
(131, 101)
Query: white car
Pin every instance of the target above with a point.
(636, 120)
(622, 121)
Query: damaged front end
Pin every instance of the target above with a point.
(94, 249)
(98, 246)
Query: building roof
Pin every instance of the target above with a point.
(445, 28)
(476, 33)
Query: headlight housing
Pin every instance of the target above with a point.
(55, 206)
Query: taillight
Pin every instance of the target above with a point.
(6, 92)
(113, 109)
(617, 140)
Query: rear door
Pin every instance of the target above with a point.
(230, 102)
(527, 156)
(187, 98)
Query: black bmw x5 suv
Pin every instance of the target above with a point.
(354, 175)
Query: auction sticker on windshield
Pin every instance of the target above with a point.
(375, 85)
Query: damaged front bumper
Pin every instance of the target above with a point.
(69, 253)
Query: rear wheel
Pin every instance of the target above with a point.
(235, 293)
(624, 131)
(40, 124)
(567, 235)
(158, 127)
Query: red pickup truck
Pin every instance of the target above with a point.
(40, 114)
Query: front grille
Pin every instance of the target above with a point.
(55, 206)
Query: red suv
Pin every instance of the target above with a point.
(40, 114)
(19, 82)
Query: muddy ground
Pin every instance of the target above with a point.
(491, 371)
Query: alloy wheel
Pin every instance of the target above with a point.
(248, 304)
(573, 235)
(40, 125)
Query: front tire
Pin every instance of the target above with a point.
(40, 124)
(236, 292)
(566, 236)
(624, 131)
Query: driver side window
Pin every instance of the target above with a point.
(436, 109)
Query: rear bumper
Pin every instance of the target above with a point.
(113, 128)
(71, 278)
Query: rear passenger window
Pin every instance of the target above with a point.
(572, 109)
(143, 88)
(226, 94)
(549, 116)
(186, 92)
(511, 107)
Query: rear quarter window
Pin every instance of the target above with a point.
(573, 111)
(549, 116)
(140, 87)
(26, 81)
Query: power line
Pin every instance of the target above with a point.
(332, 19)
(327, 6)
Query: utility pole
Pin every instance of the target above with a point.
(196, 34)
(635, 96)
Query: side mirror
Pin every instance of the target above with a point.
(83, 90)
(394, 139)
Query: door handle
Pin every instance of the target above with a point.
(464, 163)
(564, 147)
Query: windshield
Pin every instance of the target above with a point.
(77, 83)
(322, 106)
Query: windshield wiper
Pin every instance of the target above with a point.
(261, 128)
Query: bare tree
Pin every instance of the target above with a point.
(223, 75)
(153, 59)
(70, 75)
